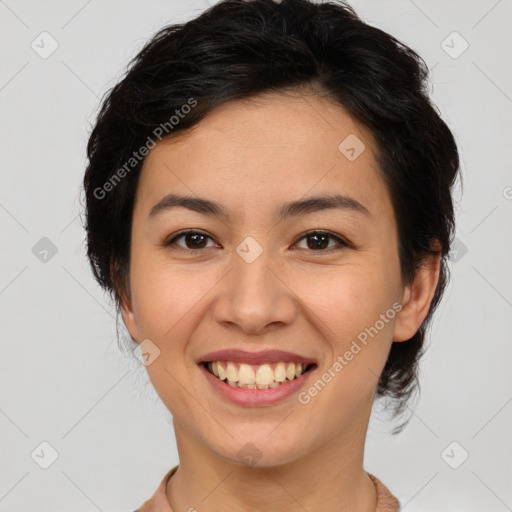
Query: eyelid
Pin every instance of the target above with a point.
(342, 242)
(325, 232)
(171, 239)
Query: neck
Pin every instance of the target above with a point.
(331, 475)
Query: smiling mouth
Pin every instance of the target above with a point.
(250, 376)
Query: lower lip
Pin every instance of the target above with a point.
(256, 397)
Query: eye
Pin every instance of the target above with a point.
(316, 241)
(320, 241)
(193, 240)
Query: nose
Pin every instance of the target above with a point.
(255, 297)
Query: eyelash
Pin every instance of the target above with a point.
(343, 243)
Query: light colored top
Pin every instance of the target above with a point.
(386, 502)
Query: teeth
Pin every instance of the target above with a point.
(290, 371)
(264, 375)
(280, 372)
(246, 374)
(255, 376)
(231, 372)
(222, 372)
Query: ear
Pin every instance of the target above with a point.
(417, 297)
(129, 317)
(125, 302)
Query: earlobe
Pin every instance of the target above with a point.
(417, 298)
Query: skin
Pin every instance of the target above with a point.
(252, 156)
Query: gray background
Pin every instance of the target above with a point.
(62, 378)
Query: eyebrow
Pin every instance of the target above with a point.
(292, 208)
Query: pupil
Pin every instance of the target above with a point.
(195, 237)
(321, 245)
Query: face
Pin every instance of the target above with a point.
(256, 273)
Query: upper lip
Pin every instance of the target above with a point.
(257, 358)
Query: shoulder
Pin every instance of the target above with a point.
(386, 502)
(158, 502)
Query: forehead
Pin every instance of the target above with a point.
(273, 147)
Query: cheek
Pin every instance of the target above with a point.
(166, 298)
(347, 299)
(341, 300)
(353, 312)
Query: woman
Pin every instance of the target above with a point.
(269, 203)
